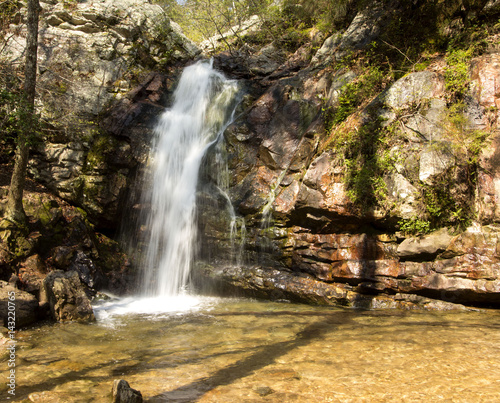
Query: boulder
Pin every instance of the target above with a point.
(123, 393)
(434, 160)
(26, 305)
(67, 298)
(31, 274)
(413, 89)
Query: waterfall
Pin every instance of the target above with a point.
(204, 103)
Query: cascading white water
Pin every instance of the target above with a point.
(199, 114)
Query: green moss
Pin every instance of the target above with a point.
(357, 92)
(456, 73)
(102, 146)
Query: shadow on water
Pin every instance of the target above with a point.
(263, 356)
(145, 356)
(139, 360)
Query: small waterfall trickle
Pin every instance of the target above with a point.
(204, 104)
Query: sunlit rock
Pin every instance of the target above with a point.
(23, 305)
(67, 298)
(425, 247)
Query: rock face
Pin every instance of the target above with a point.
(301, 231)
(67, 298)
(95, 60)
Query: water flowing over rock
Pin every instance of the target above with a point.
(203, 102)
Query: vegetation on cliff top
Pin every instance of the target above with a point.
(447, 36)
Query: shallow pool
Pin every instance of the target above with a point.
(216, 350)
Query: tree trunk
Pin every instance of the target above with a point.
(15, 209)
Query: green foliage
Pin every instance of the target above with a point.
(456, 73)
(355, 93)
(414, 226)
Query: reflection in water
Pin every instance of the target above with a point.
(247, 351)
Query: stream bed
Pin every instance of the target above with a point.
(231, 350)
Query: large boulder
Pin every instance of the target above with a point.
(23, 304)
(67, 298)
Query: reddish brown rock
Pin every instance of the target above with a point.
(31, 274)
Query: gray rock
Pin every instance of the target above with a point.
(365, 27)
(324, 54)
(338, 82)
(402, 194)
(434, 159)
(425, 247)
(67, 298)
(427, 124)
(26, 305)
(413, 89)
(123, 393)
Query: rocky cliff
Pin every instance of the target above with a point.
(363, 190)
(361, 172)
(99, 79)
(106, 69)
